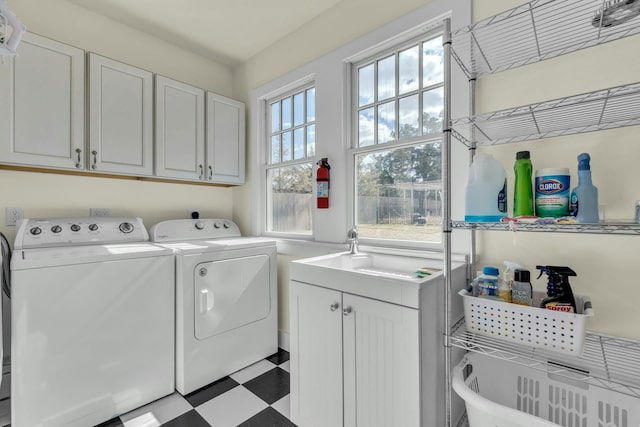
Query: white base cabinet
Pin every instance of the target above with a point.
(359, 361)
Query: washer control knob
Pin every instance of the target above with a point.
(199, 225)
(35, 230)
(216, 225)
(75, 227)
(126, 227)
(56, 229)
(226, 225)
(93, 227)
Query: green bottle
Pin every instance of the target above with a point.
(523, 190)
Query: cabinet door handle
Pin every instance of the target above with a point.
(201, 172)
(210, 173)
(334, 306)
(78, 163)
(95, 159)
(346, 311)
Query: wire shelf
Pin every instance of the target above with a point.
(608, 362)
(629, 228)
(604, 109)
(535, 31)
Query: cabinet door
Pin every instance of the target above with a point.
(121, 117)
(381, 364)
(316, 356)
(179, 130)
(225, 139)
(42, 105)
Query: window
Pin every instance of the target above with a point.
(291, 149)
(398, 109)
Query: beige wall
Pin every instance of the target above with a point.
(605, 265)
(49, 195)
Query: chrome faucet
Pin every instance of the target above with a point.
(352, 240)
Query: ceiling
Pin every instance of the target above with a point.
(226, 31)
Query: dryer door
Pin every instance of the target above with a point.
(231, 293)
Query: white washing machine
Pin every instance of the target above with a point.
(92, 321)
(226, 298)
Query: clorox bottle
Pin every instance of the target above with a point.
(486, 195)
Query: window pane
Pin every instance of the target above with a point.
(286, 113)
(365, 127)
(365, 85)
(290, 199)
(286, 146)
(311, 105)
(275, 149)
(432, 68)
(311, 141)
(408, 117)
(398, 193)
(298, 143)
(432, 110)
(409, 62)
(298, 109)
(386, 122)
(275, 117)
(386, 78)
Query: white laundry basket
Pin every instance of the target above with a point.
(499, 393)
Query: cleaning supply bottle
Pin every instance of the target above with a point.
(485, 198)
(523, 190)
(486, 284)
(521, 289)
(505, 293)
(559, 294)
(584, 198)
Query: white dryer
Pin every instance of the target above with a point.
(92, 321)
(226, 298)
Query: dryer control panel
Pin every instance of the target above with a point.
(194, 229)
(49, 232)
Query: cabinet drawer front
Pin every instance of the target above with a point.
(42, 105)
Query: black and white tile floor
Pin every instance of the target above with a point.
(256, 396)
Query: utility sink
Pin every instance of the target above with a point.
(385, 277)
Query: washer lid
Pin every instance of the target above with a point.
(69, 255)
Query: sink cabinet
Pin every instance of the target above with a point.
(367, 346)
(354, 357)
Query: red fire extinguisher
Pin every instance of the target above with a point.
(322, 181)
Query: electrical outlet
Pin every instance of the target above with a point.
(13, 215)
(190, 213)
(100, 211)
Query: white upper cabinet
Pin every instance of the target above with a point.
(180, 132)
(225, 140)
(121, 117)
(42, 105)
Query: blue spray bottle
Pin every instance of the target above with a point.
(584, 198)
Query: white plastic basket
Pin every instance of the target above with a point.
(504, 394)
(531, 326)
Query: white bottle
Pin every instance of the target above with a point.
(485, 198)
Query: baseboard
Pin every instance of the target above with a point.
(283, 340)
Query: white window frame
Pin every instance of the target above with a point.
(266, 165)
(370, 57)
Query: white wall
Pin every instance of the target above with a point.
(48, 195)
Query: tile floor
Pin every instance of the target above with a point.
(257, 396)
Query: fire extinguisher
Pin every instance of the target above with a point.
(322, 181)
